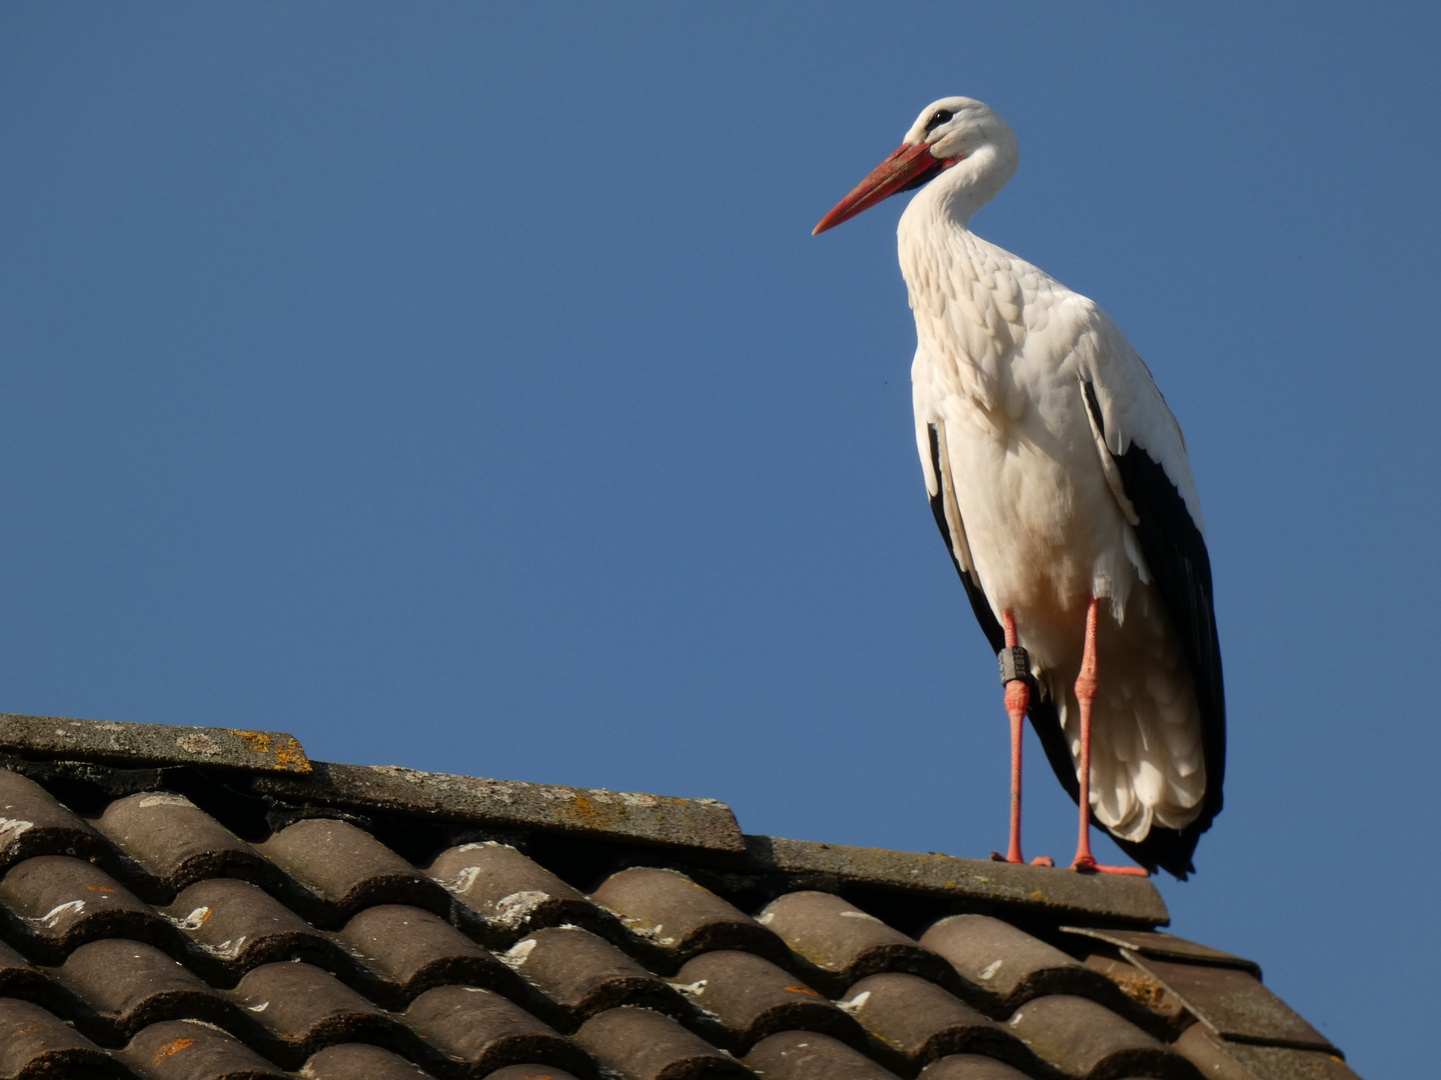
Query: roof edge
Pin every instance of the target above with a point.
(278, 767)
(129, 744)
(670, 821)
(1108, 899)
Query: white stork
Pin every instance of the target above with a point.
(1060, 482)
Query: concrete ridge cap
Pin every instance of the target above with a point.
(1110, 899)
(132, 744)
(666, 820)
(281, 769)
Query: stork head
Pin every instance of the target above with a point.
(955, 135)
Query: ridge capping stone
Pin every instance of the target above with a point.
(63, 738)
(1120, 901)
(665, 820)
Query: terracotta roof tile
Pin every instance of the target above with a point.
(34, 1042)
(305, 1009)
(1082, 1039)
(1219, 1059)
(585, 974)
(408, 951)
(33, 822)
(1003, 966)
(192, 907)
(970, 1067)
(130, 985)
(639, 1044)
(530, 1072)
(921, 1021)
(1234, 1004)
(193, 1050)
(240, 925)
(348, 869)
(485, 1030)
(803, 1055)
(753, 998)
(678, 918)
(1166, 947)
(64, 902)
(507, 891)
(837, 943)
(358, 1061)
(1166, 1011)
(20, 978)
(176, 843)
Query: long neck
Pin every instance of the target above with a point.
(966, 328)
(965, 187)
(936, 247)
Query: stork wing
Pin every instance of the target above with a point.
(942, 491)
(1144, 458)
(936, 462)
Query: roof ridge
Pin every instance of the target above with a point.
(153, 744)
(280, 770)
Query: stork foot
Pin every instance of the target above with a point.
(1085, 864)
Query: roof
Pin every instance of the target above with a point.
(198, 903)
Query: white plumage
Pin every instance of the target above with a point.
(1048, 453)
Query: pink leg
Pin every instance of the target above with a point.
(1018, 700)
(1086, 686)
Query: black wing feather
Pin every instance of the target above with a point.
(1180, 566)
(990, 626)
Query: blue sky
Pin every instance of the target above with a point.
(460, 387)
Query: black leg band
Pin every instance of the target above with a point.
(1015, 665)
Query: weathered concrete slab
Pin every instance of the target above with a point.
(612, 815)
(1115, 900)
(152, 744)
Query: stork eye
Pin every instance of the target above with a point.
(940, 117)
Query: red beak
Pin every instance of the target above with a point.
(910, 166)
